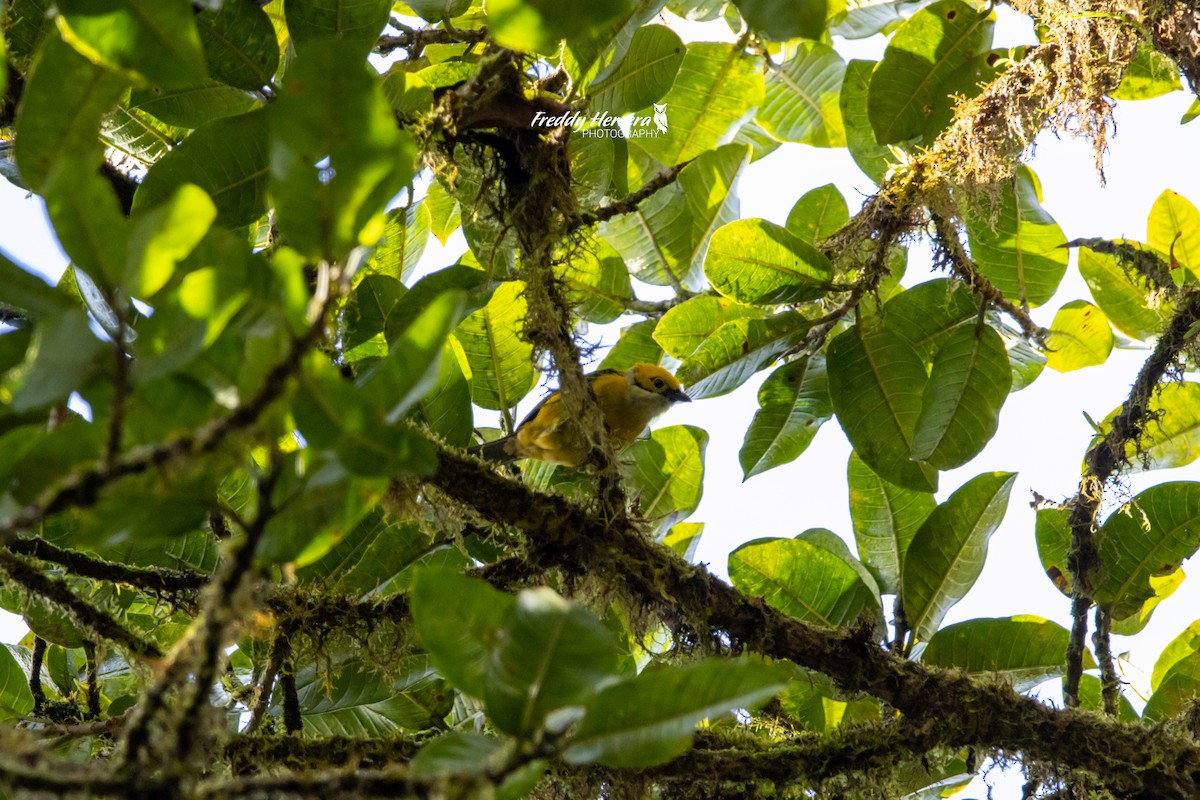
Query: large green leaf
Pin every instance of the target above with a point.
(64, 99)
(960, 409)
(189, 107)
(876, 381)
(446, 409)
(1052, 533)
(758, 262)
(1022, 650)
(1174, 227)
(1147, 537)
(803, 580)
(26, 24)
(928, 313)
(818, 213)
(781, 20)
(154, 38)
(458, 620)
(500, 361)
(1018, 245)
(88, 222)
(872, 158)
(66, 355)
(455, 753)
(139, 135)
(1185, 644)
(1176, 691)
(924, 54)
(885, 518)
(644, 75)
(28, 292)
(336, 154)
(685, 327)
(650, 720)
(802, 99)
(737, 350)
(716, 86)
(1148, 75)
(1173, 438)
(16, 700)
(667, 475)
(353, 700)
(793, 403)
(227, 158)
(597, 281)
(636, 345)
(163, 236)
(1079, 337)
(358, 23)
(947, 553)
(1124, 296)
(240, 45)
(538, 25)
(549, 654)
(665, 240)
(405, 234)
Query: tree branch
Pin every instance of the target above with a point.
(630, 202)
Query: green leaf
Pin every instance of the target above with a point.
(781, 20)
(353, 700)
(357, 23)
(501, 367)
(227, 158)
(1052, 532)
(597, 281)
(455, 753)
(1026, 362)
(923, 54)
(684, 538)
(458, 620)
(336, 154)
(872, 158)
(1079, 337)
(827, 539)
(1148, 74)
(1174, 227)
(636, 345)
(667, 475)
(876, 381)
(140, 135)
(960, 409)
(665, 240)
(803, 580)
(644, 75)
(1164, 586)
(717, 85)
(446, 409)
(16, 700)
(28, 292)
(758, 262)
(1173, 440)
(793, 403)
(405, 234)
(1147, 537)
(538, 25)
(737, 350)
(686, 327)
(1186, 644)
(549, 655)
(885, 518)
(1176, 691)
(88, 222)
(240, 45)
(165, 235)
(66, 355)
(928, 313)
(1018, 246)
(26, 24)
(802, 99)
(650, 719)
(193, 106)
(947, 553)
(64, 99)
(1124, 296)
(365, 316)
(444, 211)
(1022, 650)
(395, 383)
(156, 39)
(1193, 111)
(437, 10)
(818, 213)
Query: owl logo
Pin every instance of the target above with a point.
(660, 117)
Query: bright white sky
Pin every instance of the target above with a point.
(1043, 431)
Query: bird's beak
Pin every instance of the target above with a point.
(678, 396)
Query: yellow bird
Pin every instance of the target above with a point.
(629, 400)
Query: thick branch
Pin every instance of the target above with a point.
(150, 579)
(1141, 763)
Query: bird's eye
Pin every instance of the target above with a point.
(659, 383)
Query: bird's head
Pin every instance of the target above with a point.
(657, 381)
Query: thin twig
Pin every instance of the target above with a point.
(630, 202)
(1110, 682)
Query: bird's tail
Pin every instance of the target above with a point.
(499, 451)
